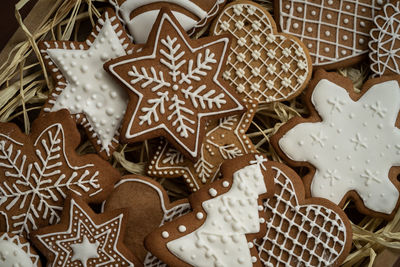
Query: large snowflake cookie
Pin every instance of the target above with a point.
(384, 54)
(336, 32)
(227, 216)
(302, 232)
(37, 172)
(350, 142)
(225, 139)
(263, 64)
(84, 238)
(82, 85)
(140, 15)
(143, 197)
(16, 251)
(175, 85)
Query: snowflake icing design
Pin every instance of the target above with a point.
(26, 180)
(366, 149)
(177, 85)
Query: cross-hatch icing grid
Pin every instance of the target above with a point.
(333, 41)
(262, 65)
(175, 212)
(299, 235)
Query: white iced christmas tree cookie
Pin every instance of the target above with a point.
(351, 142)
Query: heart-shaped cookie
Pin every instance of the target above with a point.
(336, 32)
(149, 208)
(302, 232)
(263, 64)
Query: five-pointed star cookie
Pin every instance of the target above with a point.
(350, 142)
(225, 139)
(84, 87)
(39, 170)
(84, 238)
(175, 85)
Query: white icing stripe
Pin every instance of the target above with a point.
(221, 239)
(311, 223)
(368, 146)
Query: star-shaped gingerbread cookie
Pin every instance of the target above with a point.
(84, 238)
(83, 87)
(225, 139)
(175, 85)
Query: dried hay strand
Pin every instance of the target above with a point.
(25, 86)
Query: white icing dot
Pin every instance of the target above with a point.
(309, 45)
(345, 37)
(313, 13)
(165, 234)
(362, 23)
(326, 49)
(295, 25)
(309, 29)
(182, 228)
(361, 41)
(299, 9)
(328, 33)
(348, 7)
(199, 215)
(225, 184)
(212, 192)
(346, 20)
(329, 16)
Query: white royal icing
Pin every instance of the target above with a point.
(84, 251)
(175, 88)
(221, 239)
(90, 89)
(346, 31)
(354, 146)
(39, 179)
(12, 255)
(385, 36)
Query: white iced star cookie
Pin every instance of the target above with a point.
(350, 142)
(83, 87)
(16, 251)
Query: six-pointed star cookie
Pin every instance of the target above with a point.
(350, 142)
(84, 238)
(39, 170)
(175, 85)
(225, 139)
(84, 87)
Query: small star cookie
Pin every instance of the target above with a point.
(82, 85)
(84, 238)
(175, 85)
(350, 142)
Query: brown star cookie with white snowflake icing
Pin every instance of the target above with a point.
(83, 86)
(37, 172)
(84, 238)
(225, 139)
(16, 251)
(175, 85)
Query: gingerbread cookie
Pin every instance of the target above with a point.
(84, 238)
(38, 170)
(227, 216)
(384, 53)
(17, 251)
(144, 197)
(84, 87)
(140, 15)
(263, 64)
(225, 139)
(175, 85)
(335, 32)
(350, 142)
(302, 232)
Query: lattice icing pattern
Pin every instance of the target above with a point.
(385, 55)
(333, 30)
(299, 235)
(262, 64)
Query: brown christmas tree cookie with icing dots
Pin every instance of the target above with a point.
(263, 64)
(140, 15)
(225, 139)
(175, 86)
(149, 208)
(336, 32)
(17, 251)
(84, 238)
(83, 86)
(38, 171)
(227, 216)
(384, 54)
(302, 231)
(350, 142)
